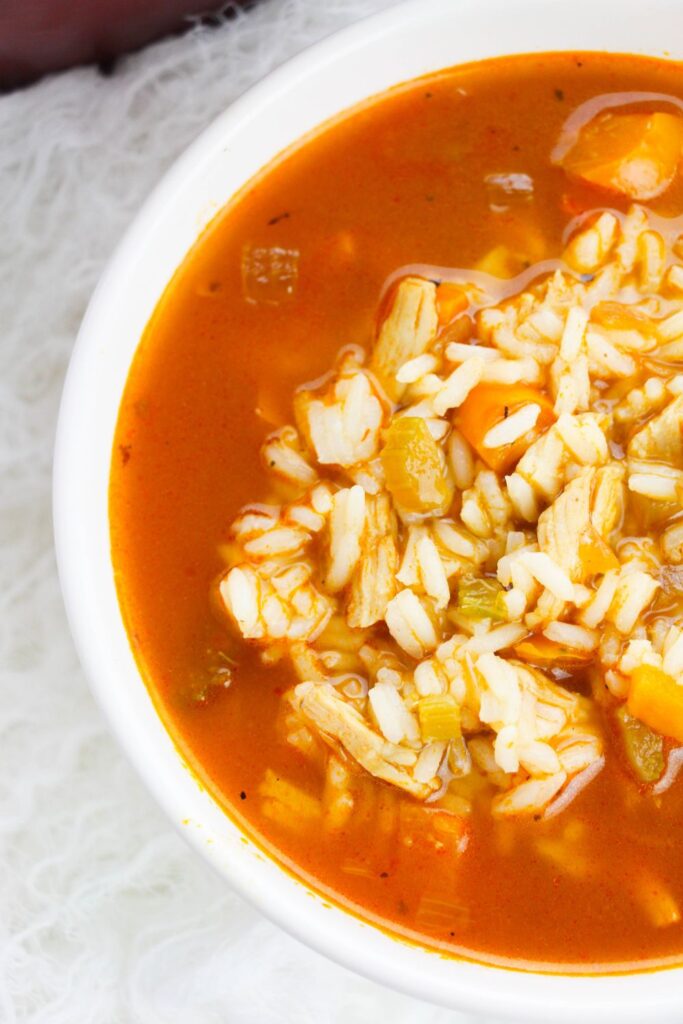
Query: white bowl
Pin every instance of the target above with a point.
(403, 42)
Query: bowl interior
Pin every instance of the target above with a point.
(402, 43)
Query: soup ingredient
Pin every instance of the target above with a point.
(415, 467)
(545, 653)
(406, 332)
(634, 154)
(482, 598)
(269, 274)
(493, 407)
(644, 748)
(451, 299)
(656, 698)
(439, 716)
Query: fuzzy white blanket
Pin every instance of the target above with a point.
(105, 916)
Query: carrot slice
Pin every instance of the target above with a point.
(451, 299)
(488, 404)
(657, 699)
(634, 154)
(545, 653)
(596, 555)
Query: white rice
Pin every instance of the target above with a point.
(393, 718)
(497, 639)
(549, 574)
(417, 368)
(570, 635)
(410, 625)
(458, 386)
(347, 519)
(516, 425)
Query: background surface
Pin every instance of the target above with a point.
(105, 916)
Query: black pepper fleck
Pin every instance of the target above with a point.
(559, 95)
(125, 453)
(243, 795)
(506, 412)
(384, 874)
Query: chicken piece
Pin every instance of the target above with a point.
(407, 332)
(672, 543)
(374, 581)
(661, 439)
(267, 606)
(342, 423)
(573, 531)
(338, 721)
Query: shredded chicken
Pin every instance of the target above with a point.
(337, 720)
(374, 582)
(581, 519)
(406, 332)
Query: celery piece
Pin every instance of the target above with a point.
(439, 716)
(481, 598)
(415, 467)
(644, 748)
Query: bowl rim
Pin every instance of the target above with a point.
(93, 387)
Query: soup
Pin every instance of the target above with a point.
(395, 511)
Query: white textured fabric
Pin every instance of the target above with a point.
(105, 916)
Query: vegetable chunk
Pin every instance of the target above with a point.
(489, 405)
(657, 699)
(415, 467)
(634, 154)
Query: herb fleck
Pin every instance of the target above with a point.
(277, 218)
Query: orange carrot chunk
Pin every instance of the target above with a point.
(489, 404)
(451, 299)
(634, 154)
(545, 653)
(657, 699)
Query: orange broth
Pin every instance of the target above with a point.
(399, 181)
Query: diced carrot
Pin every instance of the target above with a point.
(541, 651)
(451, 299)
(616, 316)
(657, 699)
(634, 154)
(596, 555)
(488, 404)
